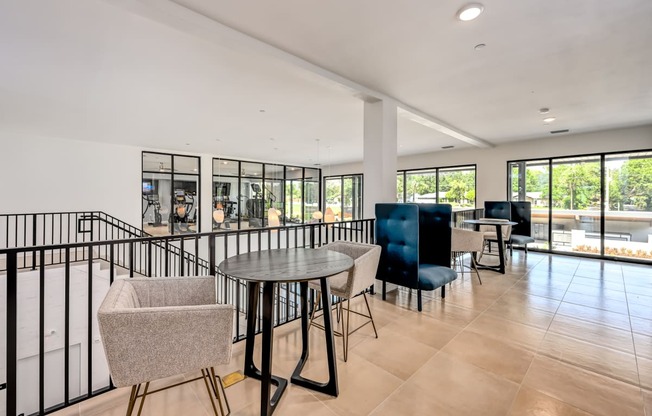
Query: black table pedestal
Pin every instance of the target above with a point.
(268, 401)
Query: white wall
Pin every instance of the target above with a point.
(42, 174)
(492, 163)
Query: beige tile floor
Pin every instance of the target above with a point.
(554, 336)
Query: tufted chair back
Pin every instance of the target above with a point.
(522, 214)
(397, 232)
(435, 234)
(498, 209)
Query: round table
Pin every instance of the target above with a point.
(268, 268)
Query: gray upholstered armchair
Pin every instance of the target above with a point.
(350, 283)
(153, 328)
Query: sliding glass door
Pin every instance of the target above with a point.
(594, 205)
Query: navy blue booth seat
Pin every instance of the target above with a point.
(521, 232)
(416, 246)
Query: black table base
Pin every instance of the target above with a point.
(268, 402)
(500, 268)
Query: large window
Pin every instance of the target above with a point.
(596, 204)
(450, 185)
(343, 195)
(170, 193)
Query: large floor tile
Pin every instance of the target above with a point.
(521, 314)
(584, 389)
(530, 402)
(590, 356)
(363, 386)
(508, 331)
(501, 358)
(641, 325)
(596, 301)
(603, 335)
(463, 389)
(426, 330)
(643, 344)
(396, 354)
(598, 316)
(645, 372)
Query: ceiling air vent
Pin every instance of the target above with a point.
(559, 131)
(447, 147)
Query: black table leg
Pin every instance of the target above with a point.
(250, 369)
(267, 403)
(501, 266)
(330, 387)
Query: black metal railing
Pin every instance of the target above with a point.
(51, 306)
(467, 214)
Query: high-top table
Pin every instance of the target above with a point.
(499, 236)
(281, 266)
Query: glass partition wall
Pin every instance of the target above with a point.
(170, 202)
(246, 191)
(592, 204)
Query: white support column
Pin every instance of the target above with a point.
(380, 143)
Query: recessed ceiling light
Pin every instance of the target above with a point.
(262, 111)
(479, 46)
(548, 120)
(544, 110)
(187, 144)
(470, 12)
(225, 163)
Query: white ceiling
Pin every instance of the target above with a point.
(167, 75)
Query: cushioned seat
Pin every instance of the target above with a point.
(432, 276)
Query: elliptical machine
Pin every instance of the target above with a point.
(152, 201)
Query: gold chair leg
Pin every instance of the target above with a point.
(314, 310)
(223, 393)
(206, 375)
(475, 267)
(373, 324)
(345, 330)
(132, 399)
(142, 399)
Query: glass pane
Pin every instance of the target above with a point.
(154, 162)
(186, 164)
(225, 167)
(310, 193)
(225, 197)
(529, 182)
(421, 187)
(274, 197)
(334, 196)
(251, 170)
(293, 196)
(185, 204)
(457, 187)
(251, 202)
(576, 205)
(399, 187)
(628, 205)
(156, 203)
(352, 204)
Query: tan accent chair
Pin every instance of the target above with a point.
(153, 328)
(466, 241)
(490, 236)
(349, 283)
